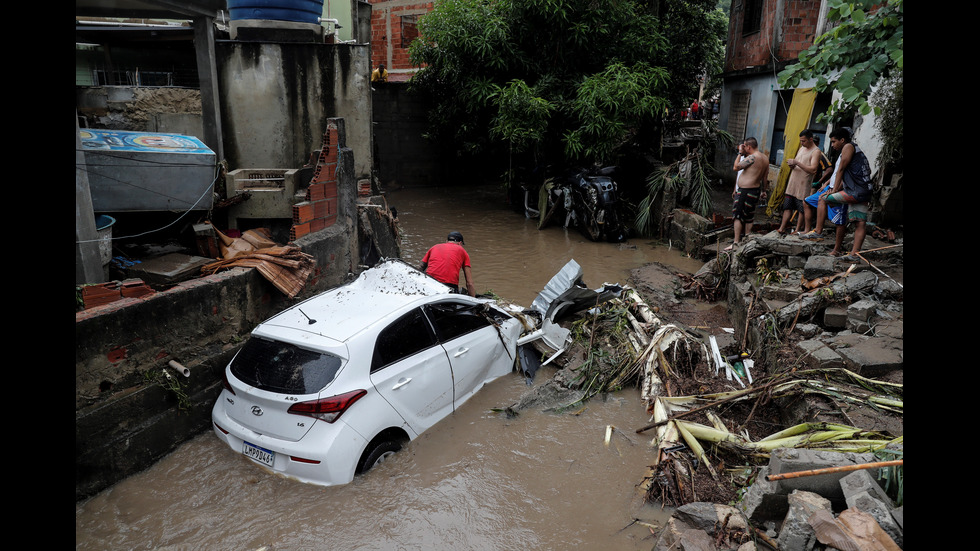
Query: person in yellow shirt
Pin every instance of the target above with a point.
(379, 75)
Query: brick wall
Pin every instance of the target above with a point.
(798, 24)
(388, 20)
(319, 211)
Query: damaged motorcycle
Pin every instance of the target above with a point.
(588, 200)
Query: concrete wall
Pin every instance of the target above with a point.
(140, 109)
(277, 98)
(125, 417)
(402, 155)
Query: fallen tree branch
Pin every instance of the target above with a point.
(734, 396)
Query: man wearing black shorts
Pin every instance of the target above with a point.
(752, 166)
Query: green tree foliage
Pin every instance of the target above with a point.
(854, 56)
(559, 79)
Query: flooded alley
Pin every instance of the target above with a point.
(476, 480)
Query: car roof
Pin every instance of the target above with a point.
(343, 312)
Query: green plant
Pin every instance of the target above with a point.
(868, 45)
(692, 173)
(575, 81)
(169, 382)
(766, 275)
(892, 479)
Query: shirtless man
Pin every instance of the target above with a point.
(803, 167)
(752, 166)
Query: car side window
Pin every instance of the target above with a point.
(453, 319)
(407, 335)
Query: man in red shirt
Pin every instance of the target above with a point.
(443, 262)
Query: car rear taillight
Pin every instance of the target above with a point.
(224, 381)
(327, 409)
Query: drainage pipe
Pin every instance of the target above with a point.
(179, 368)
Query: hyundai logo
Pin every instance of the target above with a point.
(256, 410)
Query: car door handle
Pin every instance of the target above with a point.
(401, 382)
(460, 352)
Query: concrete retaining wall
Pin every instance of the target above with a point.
(277, 98)
(402, 156)
(125, 416)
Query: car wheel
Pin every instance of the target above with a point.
(377, 454)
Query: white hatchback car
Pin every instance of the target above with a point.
(334, 385)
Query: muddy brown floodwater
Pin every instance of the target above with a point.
(476, 480)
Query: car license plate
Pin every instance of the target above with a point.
(261, 455)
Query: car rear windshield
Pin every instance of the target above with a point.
(282, 367)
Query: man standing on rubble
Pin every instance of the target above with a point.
(444, 261)
(803, 167)
(752, 166)
(852, 187)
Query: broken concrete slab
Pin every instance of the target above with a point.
(862, 310)
(819, 266)
(787, 460)
(796, 262)
(796, 532)
(696, 525)
(818, 355)
(890, 328)
(761, 501)
(862, 492)
(169, 269)
(874, 357)
(889, 289)
(835, 317)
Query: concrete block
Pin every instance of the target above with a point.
(888, 289)
(784, 292)
(828, 485)
(875, 356)
(691, 220)
(796, 262)
(890, 328)
(854, 284)
(835, 317)
(808, 330)
(819, 355)
(859, 482)
(789, 247)
(818, 266)
(862, 310)
(169, 268)
(796, 533)
(762, 502)
(866, 503)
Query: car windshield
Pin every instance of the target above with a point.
(282, 367)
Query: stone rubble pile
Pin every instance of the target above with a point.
(847, 510)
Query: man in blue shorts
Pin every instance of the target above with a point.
(851, 188)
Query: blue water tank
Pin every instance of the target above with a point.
(303, 11)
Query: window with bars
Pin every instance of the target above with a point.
(751, 16)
